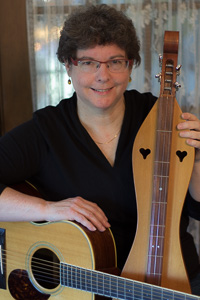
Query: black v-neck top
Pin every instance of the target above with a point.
(55, 153)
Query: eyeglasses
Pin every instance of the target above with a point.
(92, 66)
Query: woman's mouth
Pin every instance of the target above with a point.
(101, 90)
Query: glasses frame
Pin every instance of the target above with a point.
(76, 61)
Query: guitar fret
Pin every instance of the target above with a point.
(155, 294)
(157, 230)
(159, 203)
(155, 256)
(161, 162)
(88, 281)
(161, 168)
(120, 285)
(129, 291)
(154, 265)
(114, 289)
(161, 130)
(161, 176)
(71, 279)
(100, 287)
(95, 282)
(107, 286)
(75, 275)
(164, 132)
(78, 278)
(156, 236)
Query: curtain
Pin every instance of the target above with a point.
(151, 18)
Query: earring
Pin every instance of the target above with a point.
(130, 79)
(69, 81)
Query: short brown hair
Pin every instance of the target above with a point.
(94, 25)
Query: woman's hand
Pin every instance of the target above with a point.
(16, 206)
(190, 129)
(78, 209)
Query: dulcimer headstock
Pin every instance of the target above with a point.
(168, 62)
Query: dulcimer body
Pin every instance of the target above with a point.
(162, 167)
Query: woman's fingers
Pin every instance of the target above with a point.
(78, 209)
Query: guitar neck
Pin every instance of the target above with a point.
(114, 286)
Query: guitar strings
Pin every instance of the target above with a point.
(160, 195)
(39, 264)
(124, 286)
(163, 183)
(165, 158)
(156, 243)
(74, 275)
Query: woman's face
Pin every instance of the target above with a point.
(102, 89)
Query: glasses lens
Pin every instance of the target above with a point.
(88, 66)
(118, 65)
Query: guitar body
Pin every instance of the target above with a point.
(67, 241)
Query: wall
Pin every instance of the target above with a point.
(15, 87)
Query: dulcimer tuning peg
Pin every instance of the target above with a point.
(160, 60)
(178, 68)
(177, 85)
(158, 76)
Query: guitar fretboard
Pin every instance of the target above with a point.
(114, 286)
(160, 188)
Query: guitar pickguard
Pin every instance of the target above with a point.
(20, 287)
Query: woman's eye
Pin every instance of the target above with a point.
(116, 62)
(86, 63)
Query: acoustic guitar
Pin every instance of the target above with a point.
(64, 260)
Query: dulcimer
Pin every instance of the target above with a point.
(162, 167)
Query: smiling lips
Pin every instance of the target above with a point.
(102, 90)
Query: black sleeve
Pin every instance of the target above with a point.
(189, 250)
(21, 151)
(193, 207)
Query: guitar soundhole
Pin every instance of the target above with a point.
(45, 267)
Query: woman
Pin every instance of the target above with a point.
(78, 154)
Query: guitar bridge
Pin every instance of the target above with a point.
(2, 259)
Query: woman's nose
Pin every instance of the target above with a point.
(103, 73)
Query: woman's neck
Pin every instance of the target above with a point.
(102, 124)
(104, 127)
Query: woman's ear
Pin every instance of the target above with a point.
(68, 68)
(131, 66)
